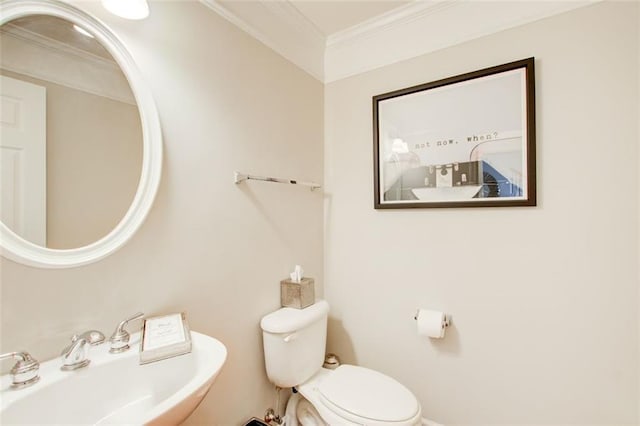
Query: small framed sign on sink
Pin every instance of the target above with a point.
(164, 337)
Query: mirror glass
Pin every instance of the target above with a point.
(71, 136)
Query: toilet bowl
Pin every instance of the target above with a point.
(352, 395)
(300, 412)
(294, 343)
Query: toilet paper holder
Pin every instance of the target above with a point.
(445, 322)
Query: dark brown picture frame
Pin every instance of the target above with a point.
(463, 141)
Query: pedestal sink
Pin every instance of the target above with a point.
(115, 389)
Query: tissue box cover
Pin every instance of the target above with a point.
(297, 295)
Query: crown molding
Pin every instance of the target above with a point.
(423, 27)
(415, 29)
(395, 17)
(55, 45)
(25, 51)
(280, 26)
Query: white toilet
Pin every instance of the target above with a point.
(294, 347)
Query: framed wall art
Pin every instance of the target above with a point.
(464, 141)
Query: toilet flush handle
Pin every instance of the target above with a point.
(290, 337)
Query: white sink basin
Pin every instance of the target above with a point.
(115, 389)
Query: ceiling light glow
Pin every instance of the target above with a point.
(128, 9)
(399, 146)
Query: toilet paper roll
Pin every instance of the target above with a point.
(431, 323)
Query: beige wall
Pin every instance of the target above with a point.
(545, 303)
(638, 259)
(94, 159)
(544, 300)
(211, 248)
(94, 162)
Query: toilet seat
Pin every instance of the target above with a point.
(365, 396)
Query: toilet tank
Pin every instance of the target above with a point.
(294, 343)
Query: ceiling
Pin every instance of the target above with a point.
(336, 39)
(333, 16)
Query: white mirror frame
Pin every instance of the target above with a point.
(18, 249)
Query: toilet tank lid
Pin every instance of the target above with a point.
(287, 320)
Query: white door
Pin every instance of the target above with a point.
(23, 159)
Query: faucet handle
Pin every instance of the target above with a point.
(120, 338)
(25, 372)
(93, 337)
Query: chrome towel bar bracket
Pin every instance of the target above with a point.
(241, 177)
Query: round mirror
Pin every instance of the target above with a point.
(80, 141)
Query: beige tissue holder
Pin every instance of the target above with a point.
(297, 295)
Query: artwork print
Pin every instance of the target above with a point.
(465, 141)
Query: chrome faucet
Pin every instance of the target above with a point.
(120, 338)
(25, 372)
(76, 355)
